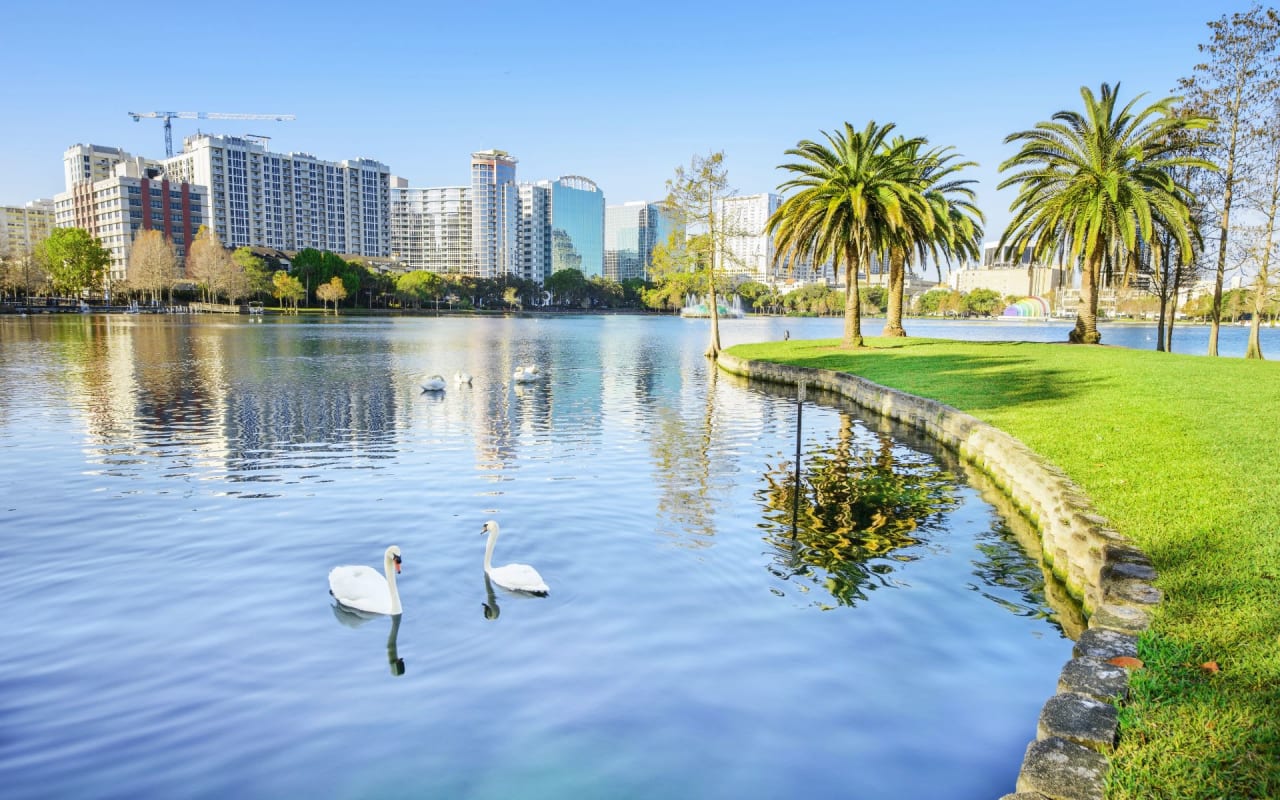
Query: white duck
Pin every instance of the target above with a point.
(513, 577)
(433, 383)
(363, 589)
(461, 378)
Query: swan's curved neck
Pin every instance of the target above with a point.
(488, 548)
(389, 569)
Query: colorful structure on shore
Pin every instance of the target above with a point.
(1030, 308)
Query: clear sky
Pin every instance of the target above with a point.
(618, 92)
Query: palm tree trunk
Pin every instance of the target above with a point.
(1086, 329)
(897, 276)
(852, 300)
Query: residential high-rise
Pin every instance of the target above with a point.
(136, 197)
(24, 227)
(494, 214)
(86, 163)
(630, 232)
(577, 225)
(534, 235)
(748, 250)
(431, 228)
(288, 201)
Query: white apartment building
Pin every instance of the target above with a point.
(431, 228)
(749, 249)
(533, 235)
(289, 201)
(136, 197)
(24, 227)
(495, 214)
(87, 163)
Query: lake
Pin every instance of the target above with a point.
(177, 489)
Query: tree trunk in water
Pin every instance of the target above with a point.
(852, 302)
(897, 270)
(713, 348)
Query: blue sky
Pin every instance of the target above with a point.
(618, 92)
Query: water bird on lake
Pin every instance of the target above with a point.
(461, 378)
(513, 577)
(363, 589)
(433, 383)
(532, 369)
(523, 375)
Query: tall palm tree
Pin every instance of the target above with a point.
(1091, 181)
(853, 194)
(953, 226)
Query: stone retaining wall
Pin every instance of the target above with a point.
(1111, 577)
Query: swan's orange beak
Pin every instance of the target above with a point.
(397, 565)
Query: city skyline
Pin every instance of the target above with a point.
(570, 97)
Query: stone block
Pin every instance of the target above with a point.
(1024, 796)
(1129, 571)
(1063, 770)
(1080, 719)
(1130, 593)
(1117, 617)
(1095, 678)
(1105, 644)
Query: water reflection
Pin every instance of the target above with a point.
(491, 609)
(354, 619)
(858, 508)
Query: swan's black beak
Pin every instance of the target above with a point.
(397, 565)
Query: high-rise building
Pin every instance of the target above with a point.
(431, 228)
(87, 163)
(24, 227)
(494, 214)
(749, 251)
(534, 235)
(136, 197)
(577, 225)
(630, 232)
(288, 201)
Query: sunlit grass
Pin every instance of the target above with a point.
(1182, 454)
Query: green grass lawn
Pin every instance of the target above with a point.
(1182, 454)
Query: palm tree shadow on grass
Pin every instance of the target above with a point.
(996, 381)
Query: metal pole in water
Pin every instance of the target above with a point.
(795, 499)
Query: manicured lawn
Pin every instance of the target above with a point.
(1182, 454)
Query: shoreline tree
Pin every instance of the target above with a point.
(1092, 182)
(694, 200)
(152, 263)
(74, 260)
(331, 292)
(854, 194)
(1237, 84)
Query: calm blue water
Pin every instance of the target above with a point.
(176, 491)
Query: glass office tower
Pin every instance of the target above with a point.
(577, 225)
(631, 232)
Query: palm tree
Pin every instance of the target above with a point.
(953, 226)
(854, 193)
(1088, 182)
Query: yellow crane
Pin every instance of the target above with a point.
(167, 116)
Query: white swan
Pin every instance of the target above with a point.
(363, 589)
(462, 377)
(514, 577)
(532, 369)
(433, 383)
(523, 375)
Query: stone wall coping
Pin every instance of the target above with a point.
(1110, 576)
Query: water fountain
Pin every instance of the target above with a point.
(695, 306)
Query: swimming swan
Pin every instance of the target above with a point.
(462, 377)
(523, 375)
(433, 383)
(363, 589)
(513, 577)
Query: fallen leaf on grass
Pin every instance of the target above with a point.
(1128, 662)
(1210, 666)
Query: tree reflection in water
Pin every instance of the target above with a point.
(858, 510)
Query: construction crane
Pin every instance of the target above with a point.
(167, 116)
